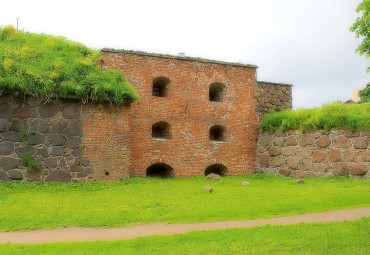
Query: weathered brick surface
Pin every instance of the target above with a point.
(315, 154)
(190, 113)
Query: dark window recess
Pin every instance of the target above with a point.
(160, 170)
(217, 92)
(216, 169)
(161, 130)
(106, 173)
(217, 133)
(160, 86)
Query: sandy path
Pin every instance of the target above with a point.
(93, 234)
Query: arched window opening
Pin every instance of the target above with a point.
(217, 92)
(160, 86)
(161, 130)
(160, 170)
(216, 169)
(217, 133)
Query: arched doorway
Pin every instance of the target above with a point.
(160, 170)
(216, 169)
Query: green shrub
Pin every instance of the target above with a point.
(338, 115)
(47, 66)
(29, 162)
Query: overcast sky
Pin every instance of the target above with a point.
(300, 42)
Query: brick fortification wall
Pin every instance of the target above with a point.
(314, 154)
(204, 111)
(189, 112)
(272, 96)
(71, 141)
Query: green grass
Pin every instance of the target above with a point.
(355, 117)
(46, 66)
(351, 237)
(25, 206)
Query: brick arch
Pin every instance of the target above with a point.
(162, 161)
(208, 163)
(219, 169)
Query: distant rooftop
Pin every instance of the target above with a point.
(142, 53)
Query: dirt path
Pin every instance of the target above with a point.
(93, 234)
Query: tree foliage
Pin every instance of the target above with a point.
(47, 66)
(365, 94)
(361, 28)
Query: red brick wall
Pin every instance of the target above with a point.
(106, 140)
(189, 112)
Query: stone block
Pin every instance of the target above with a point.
(360, 143)
(335, 156)
(42, 152)
(342, 142)
(57, 151)
(323, 141)
(34, 139)
(340, 169)
(278, 141)
(4, 125)
(291, 141)
(358, 169)
(56, 139)
(289, 151)
(33, 174)
(39, 126)
(85, 162)
(279, 161)
(292, 162)
(15, 174)
(4, 176)
(298, 174)
(20, 125)
(366, 156)
(304, 153)
(307, 165)
(74, 142)
(23, 113)
(24, 149)
(213, 176)
(48, 110)
(208, 189)
(59, 176)
(59, 127)
(8, 163)
(306, 140)
(74, 128)
(71, 111)
(274, 151)
(319, 168)
(50, 162)
(350, 156)
(12, 136)
(264, 161)
(265, 141)
(318, 156)
(6, 148)
(76, 168)
(284, 171)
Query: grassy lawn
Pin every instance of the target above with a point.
(25, 206)
(351, 237)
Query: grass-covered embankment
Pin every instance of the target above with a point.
(46, 66)
(26, 206)
(351, 237)
(355, 117)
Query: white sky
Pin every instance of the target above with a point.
(306, 43)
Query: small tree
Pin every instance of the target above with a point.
(362, 28)
(365, 94)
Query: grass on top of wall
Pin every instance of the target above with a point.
(25, 206)
(354, 117)
(46, 66)
(345, 238)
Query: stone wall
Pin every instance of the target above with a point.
(276, 96)
(314, 153)
(69, 140)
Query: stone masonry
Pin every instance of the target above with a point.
(272, 96)
(314, 153)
